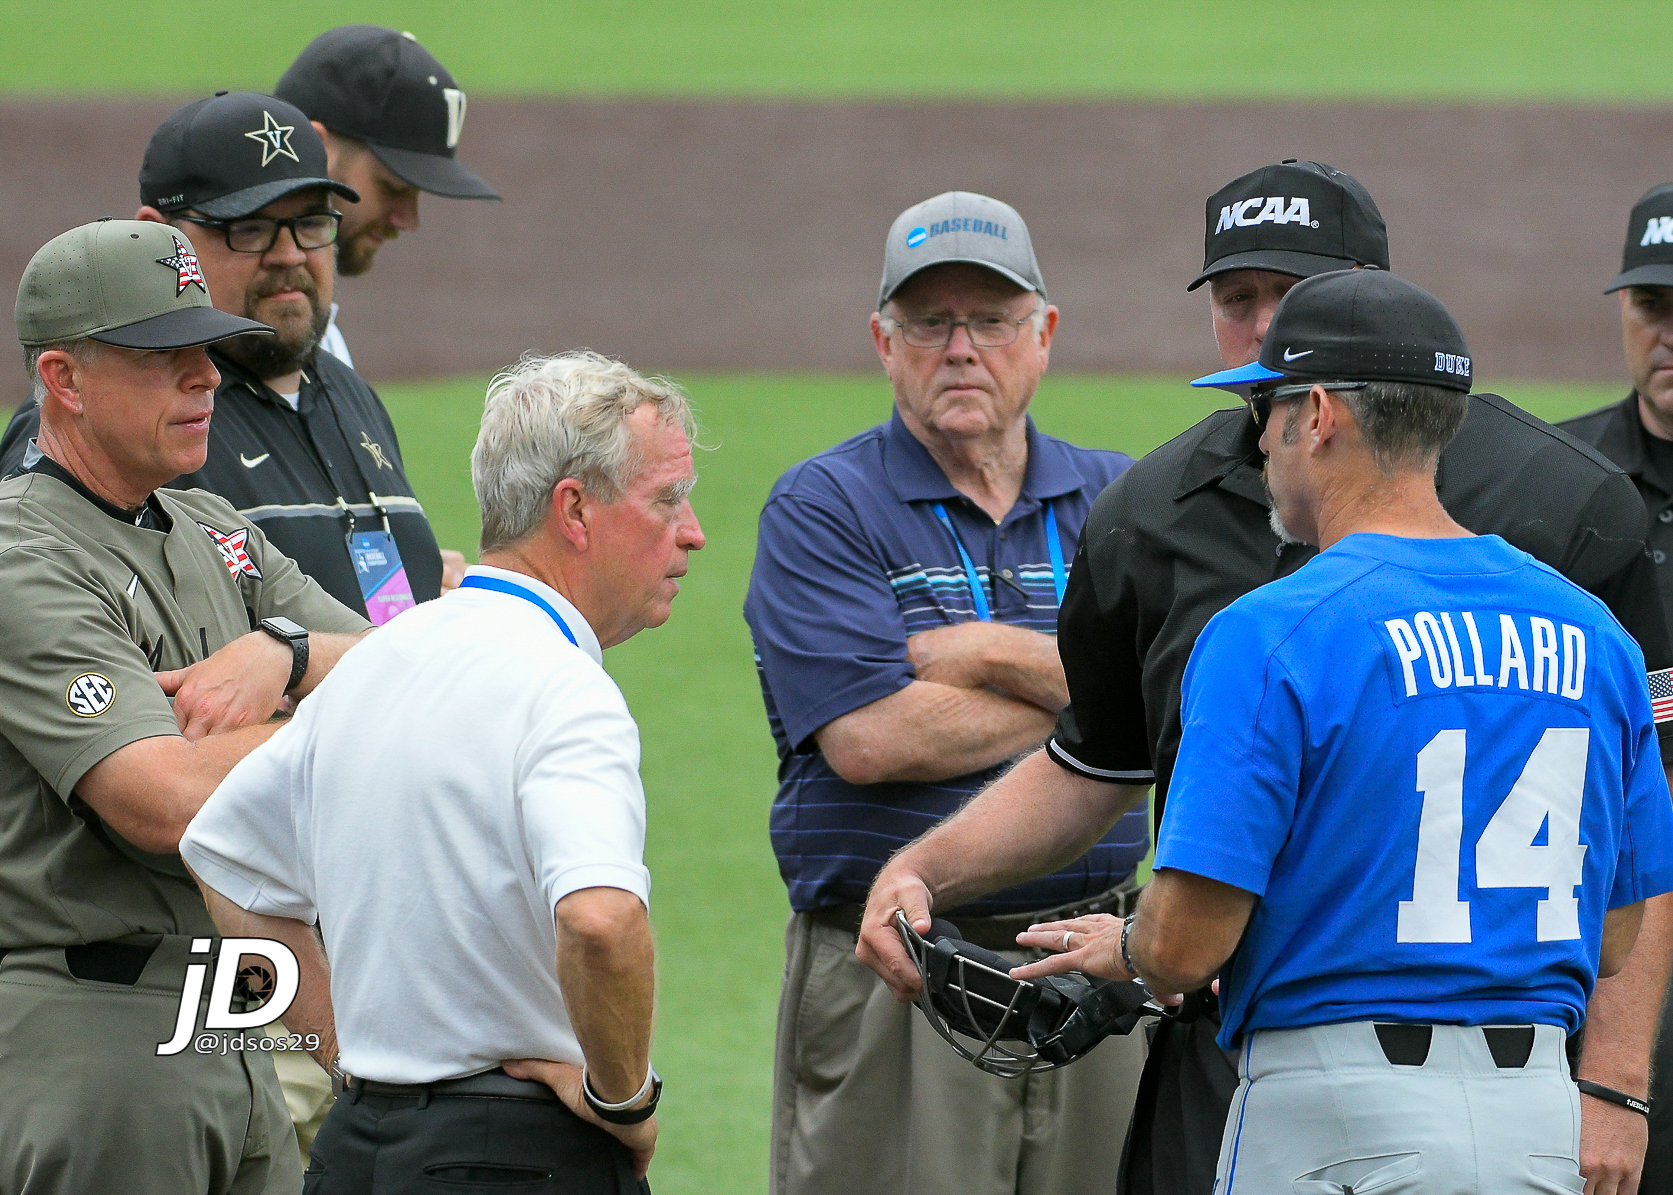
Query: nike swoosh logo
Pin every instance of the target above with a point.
(1288, 356)
(249, 464)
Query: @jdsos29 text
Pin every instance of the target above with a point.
(270, 978)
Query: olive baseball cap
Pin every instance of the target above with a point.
(383, 88)
(131, 283)
(959, 226)
(1647, 256)
(1296, 218)
(1356, 326)
(231, 155)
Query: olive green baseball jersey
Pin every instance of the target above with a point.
(92, 607)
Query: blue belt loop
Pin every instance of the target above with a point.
(1059, 575)
(976, 593)
(476, 581)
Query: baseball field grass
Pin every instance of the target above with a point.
(718, 904)
(1298, 49)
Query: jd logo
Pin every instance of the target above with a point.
(275, 984)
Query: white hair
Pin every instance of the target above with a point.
(85, 351)
(550, 418)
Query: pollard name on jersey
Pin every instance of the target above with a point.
(1449, 650)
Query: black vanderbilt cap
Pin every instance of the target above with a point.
(383, 88)
(1300, 218)
(1647, 258)
(1356, 326)
(231, 155)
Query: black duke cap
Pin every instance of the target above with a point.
(1356, 326)
(1647, 258)
(1299, 218)
(231, 155)
(383, 88)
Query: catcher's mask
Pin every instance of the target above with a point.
(1009, 1027)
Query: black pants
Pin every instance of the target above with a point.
(1658, 1158)
(464, 1145)
(1179, 1116)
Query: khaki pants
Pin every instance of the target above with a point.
(866, 1097)
(87, 1106)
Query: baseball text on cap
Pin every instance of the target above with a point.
(1444, 363)
(1273, 210)
(1659, 231)
(965, 224)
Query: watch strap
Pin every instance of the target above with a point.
(298, 647)
(617, 1113)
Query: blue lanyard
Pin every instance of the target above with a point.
(1054, 549)
(476, 581)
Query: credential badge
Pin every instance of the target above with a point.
(89, 695)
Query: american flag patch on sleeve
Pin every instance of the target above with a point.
(1661, 695)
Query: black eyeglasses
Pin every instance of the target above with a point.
(258, 234)
(988, 330)
(1260, 401)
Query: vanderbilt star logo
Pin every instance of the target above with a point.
(274, 138)
(378, 458)
(186, 262)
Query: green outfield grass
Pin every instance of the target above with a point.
(718, 904)
(1486, 49)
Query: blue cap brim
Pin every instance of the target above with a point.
(1239, 381)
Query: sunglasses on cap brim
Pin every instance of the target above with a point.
(1260, 401)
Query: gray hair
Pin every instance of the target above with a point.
(83, 350)
(1404, 424)
(550, 418)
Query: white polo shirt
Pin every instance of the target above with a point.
(454, 777)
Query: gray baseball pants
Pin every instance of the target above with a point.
(1322, 1111)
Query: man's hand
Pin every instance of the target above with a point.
(240, 685)
(1612, 1145)
(453, 568)
(1090, 945)
(565, 1080)
(880, 947)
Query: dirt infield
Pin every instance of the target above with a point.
(734, 235)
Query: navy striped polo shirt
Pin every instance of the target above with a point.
(852, 558)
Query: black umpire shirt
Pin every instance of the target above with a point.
(1618, 432)
(1183, 534)
(305, 477)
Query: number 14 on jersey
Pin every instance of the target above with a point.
(1548, 793)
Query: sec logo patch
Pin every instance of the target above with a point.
(89, 695)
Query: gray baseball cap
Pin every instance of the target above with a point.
(131, 283)
(959, 226)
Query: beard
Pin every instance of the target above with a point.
(292, 346)
(1274, 519)
(356, 255)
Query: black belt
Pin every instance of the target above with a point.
(494, 1084)
(1408, 1045)
(997, 933)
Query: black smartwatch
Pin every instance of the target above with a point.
(286, 631)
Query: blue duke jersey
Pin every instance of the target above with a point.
(1434, 762)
